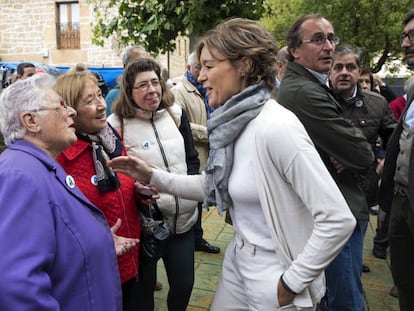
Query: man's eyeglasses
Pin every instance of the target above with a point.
(409, 34)
(144, 86)
(62, 105)
(319, 41)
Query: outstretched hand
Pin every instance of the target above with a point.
(122, 245)
(132, 166)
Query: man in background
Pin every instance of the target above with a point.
(191, 96)
(25, 70)
(342, 146)
(367, 110)
(396, 194)
(281, 63)
(131, 53)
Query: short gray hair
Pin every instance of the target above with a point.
(23, 95)
(347, 49)
(191, 59)
(283, 54)
(126, 56)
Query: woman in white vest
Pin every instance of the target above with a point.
(158, 131)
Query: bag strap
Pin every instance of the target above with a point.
(150, 210)
(122, 127)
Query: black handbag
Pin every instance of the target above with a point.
(155, 233)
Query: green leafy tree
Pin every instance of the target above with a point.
(155, 24)
(278, 17)
(371, 25)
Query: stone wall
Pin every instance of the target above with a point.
(28, 33)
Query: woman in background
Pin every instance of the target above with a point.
(156, 129)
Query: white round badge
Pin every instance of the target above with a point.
(70, 181)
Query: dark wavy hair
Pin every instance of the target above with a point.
(124, 105)
(408, 17)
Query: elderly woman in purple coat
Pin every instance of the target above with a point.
(57, 251)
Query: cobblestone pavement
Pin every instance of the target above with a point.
(377, 283)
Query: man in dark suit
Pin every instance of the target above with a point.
(342, 146)
(397, 187)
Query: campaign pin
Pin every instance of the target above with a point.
(70, 181)
(146, 144)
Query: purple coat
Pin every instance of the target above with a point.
(56, 249)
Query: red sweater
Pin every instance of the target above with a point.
(77, 162)
(397, 106)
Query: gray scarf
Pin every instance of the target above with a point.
(224, 126)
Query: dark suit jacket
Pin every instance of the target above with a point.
(333, 135)
(386, 192)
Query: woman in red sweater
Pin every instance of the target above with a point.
(86, 160)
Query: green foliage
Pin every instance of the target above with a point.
(279, 15)
(155, 24)
(372, 25)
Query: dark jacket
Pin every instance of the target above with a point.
(371, 113)
(333, 135)
(386, 192)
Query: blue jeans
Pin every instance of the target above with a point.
(343, 275)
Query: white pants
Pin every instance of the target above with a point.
(249, 280)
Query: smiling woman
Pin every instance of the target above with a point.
(264, 170)
(155, 128)
(86, 160)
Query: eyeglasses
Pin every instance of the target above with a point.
(319, 41)
(62, 105)
(144, 86)
(409, 34)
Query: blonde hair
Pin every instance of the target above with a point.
(71, 85)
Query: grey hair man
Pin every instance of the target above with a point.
(131, 53)
(282, 58)
(192, 97)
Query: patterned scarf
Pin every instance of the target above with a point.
(224, 127)
(106, 144)
(202, 91)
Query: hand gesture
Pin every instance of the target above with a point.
(122, 245)
(132, 166)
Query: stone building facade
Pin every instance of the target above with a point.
(58, 33)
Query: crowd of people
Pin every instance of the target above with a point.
(295, 145)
